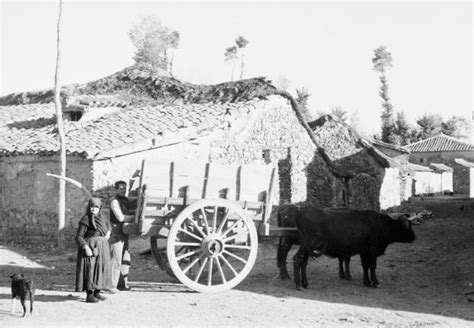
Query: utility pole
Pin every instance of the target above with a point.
(62, 139)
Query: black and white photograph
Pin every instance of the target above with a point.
(236, 163)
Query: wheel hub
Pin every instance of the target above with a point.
(212, 246)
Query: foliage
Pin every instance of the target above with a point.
(235, 51)
(339, 112)
(382, 60)
(230, 56)
(402, 130)
(153, 41)
(302, 96)
(457, 127)
(429, 125)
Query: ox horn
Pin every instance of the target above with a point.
(406, 216)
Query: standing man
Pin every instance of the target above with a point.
(121, 210)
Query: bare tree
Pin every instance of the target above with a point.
(62, 138)
(230, 56)
(241, 43)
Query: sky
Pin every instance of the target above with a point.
(325, 47)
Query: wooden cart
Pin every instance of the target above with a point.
(204, 219)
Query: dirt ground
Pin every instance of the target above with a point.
(426, 283)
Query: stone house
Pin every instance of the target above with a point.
(381, 179)
(114, 123)
(463, 177)
(446, 150)
(439, 149)
(436, 179)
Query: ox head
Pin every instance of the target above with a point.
(404, 232)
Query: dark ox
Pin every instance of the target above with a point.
(286, 218)
(344, 233)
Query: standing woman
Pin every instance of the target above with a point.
(93, 270)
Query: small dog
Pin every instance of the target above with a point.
(22, 289)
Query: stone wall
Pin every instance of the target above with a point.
(462, 179)
(277, 136)
(29, 198)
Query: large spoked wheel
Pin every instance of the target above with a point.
(220, 245)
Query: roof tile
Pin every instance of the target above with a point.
(439, 143)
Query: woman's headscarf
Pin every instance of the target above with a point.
(97, 221)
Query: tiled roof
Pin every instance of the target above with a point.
(23, 135)
(419, 168)
(439, 167)
(439, 143)
(390, 146)
(125, 108)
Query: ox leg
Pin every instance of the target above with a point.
(365, 267)
(300, 261)
(347, 261)
(373, 277)
(284, 246)
(344, 271)
(341, 268)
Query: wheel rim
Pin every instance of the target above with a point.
(220, 245)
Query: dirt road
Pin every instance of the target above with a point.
(427, 283)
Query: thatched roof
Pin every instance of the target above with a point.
(136, 86)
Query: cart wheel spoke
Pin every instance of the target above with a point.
(198, 275)
(236, 257)
(209, 274)
(196, 226)
(190, 234)
(238, 247)
(223, 223)
(214, 220)
(193, 263)
(188, 254)
(204, 219)
(232, 227)
(182, 243)
(219, 267)
(228, 265)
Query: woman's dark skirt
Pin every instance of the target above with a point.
(94, 272)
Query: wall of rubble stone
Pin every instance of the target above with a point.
(29, 198)
(462, 179)
(276, 136)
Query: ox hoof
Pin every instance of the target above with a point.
(284, 277)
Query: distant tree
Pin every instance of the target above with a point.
(382, 61)
(302, 96)
(241, 43)
(153, 40)
(235, 52)
(230, 56)
(429, 125)
(339, 112)
(457, 127)
(402, 130)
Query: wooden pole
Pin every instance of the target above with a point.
(62, 141)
